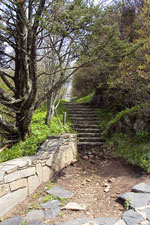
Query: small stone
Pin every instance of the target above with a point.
(35, 215)
(60, 192)
(107, 189)
(85, 157)
(105, 185)
(75, 206)
(17, 220)
(111, 180)
(84, 182)
(88, 180)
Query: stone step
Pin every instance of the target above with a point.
(85, 126)
(87, 130)
(88, 134)
(80, 109)
(90, 144)
(82, 119)
(85, 111)
(89, 139)
(85, 115)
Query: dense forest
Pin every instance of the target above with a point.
(103, 47)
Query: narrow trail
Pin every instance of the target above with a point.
(94, 181)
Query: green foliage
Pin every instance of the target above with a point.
(48, 197)
(85, 98)
(132, 147)
(118, 116)
(36, 195)
(33, 206)
(49, 185)
(127, 203)
(104, 116)
(39, 133)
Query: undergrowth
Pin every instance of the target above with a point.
(85, 99)
(39, 133)
(132, 147)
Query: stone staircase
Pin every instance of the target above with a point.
(86, 124)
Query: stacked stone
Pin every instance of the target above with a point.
(21, 177)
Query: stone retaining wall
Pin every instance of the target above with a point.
(21, 177)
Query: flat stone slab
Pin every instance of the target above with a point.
(142, 188)
(60, 192)
(78, 221)
(35, 222)
(35, 215)
(147, 212)
(52, 213)
(51, 204)
(98, 221)
(17, 220)
(105, 221)
(74, 206)
(136, 199)
(132, 218)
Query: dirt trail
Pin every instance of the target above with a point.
(88, 180)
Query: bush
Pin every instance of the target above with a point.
(39, 133)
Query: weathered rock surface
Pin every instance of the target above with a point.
(121, 222)
(35, 222)
(74, 206)
(52, 204)
(35, 215)
(99, 221)
(52, 213)
(105, 221)
(7, 202)
(17, 220)
(142, 187)
(132, 218)
(136, 199)
(60, 192)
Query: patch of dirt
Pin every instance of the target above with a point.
(88, 180)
